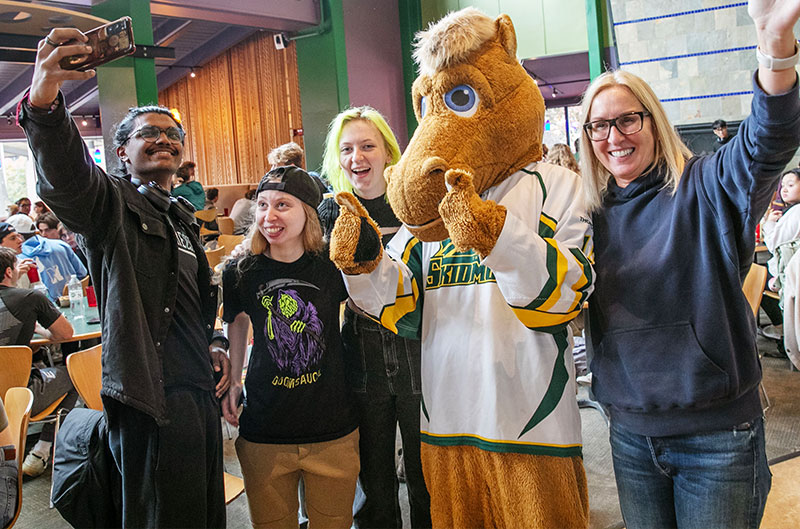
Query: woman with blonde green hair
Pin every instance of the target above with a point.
(382, 368)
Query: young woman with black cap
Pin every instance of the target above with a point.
(298, 419)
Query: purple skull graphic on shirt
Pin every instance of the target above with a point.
(293, 331)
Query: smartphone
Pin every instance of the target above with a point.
(108, 42)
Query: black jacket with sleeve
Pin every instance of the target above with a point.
(132, 252)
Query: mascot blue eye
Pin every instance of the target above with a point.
(423, 106)
(462, 100)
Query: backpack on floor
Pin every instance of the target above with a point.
(87, 486)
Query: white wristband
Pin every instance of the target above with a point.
(771, 63)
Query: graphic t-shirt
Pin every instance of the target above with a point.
(295, 386)
(20, 309)
(186, 361)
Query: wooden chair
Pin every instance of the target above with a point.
(18, 403)
(206, 215)
(753, 286)
(214, 257)
(16, 370)
(203, 217)
(85, 369)
(225, 225)
(229, 242)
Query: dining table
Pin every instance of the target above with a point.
(84, 326)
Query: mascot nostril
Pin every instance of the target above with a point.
(488, 270)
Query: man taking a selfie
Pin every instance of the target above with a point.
(154, 292)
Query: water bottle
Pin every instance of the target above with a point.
(75, 296)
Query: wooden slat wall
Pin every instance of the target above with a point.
(240, 106)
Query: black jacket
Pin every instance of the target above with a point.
(132, 252)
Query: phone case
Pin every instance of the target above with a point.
(108, 42)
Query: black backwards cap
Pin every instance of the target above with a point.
(6, 229)
(293, 180)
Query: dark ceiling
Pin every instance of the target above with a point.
(194, 42)
(562, 79)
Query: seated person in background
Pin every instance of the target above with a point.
(47, 224)
(23, 224)
(559, 154)
(8, 471)
(10, 238)
(243, 213)
(13, 209)
(286, 154)
(190, 189)
(40, 207)
(56, 262)
(292, 154)
(24, 204)
(68, 236)
(176, 181)
(783, 227)
(21, 312)
(212, 195)
(720, 128)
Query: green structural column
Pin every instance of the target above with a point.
(322, 76)
(127, 82)
(410, 24)
(596, 17)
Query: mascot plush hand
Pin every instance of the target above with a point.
(356, 240)
(489, 268)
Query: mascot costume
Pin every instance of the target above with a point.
(488, 270)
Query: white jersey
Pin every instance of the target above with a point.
(497, 370)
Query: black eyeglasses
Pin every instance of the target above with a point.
(151, 133)
(629, 123)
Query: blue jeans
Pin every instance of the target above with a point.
(709, 480)
(383, 370)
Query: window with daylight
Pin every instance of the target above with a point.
(17, 175)
(562, 125)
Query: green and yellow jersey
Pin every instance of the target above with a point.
(497, 370)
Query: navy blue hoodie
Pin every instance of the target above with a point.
(673, 336)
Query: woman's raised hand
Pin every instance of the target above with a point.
(47, 73)
(774, 21)
(776, 18)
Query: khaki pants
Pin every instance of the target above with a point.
(272, 471)
(475, 488)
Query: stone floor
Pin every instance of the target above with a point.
(782, 433)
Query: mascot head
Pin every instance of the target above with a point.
(478, 110)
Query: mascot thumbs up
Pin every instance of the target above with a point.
(489, 268)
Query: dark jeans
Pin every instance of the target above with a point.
(384, 371)
(172, 475)
(713, 480)
(8, 491)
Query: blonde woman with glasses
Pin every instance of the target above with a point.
(675, 358)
